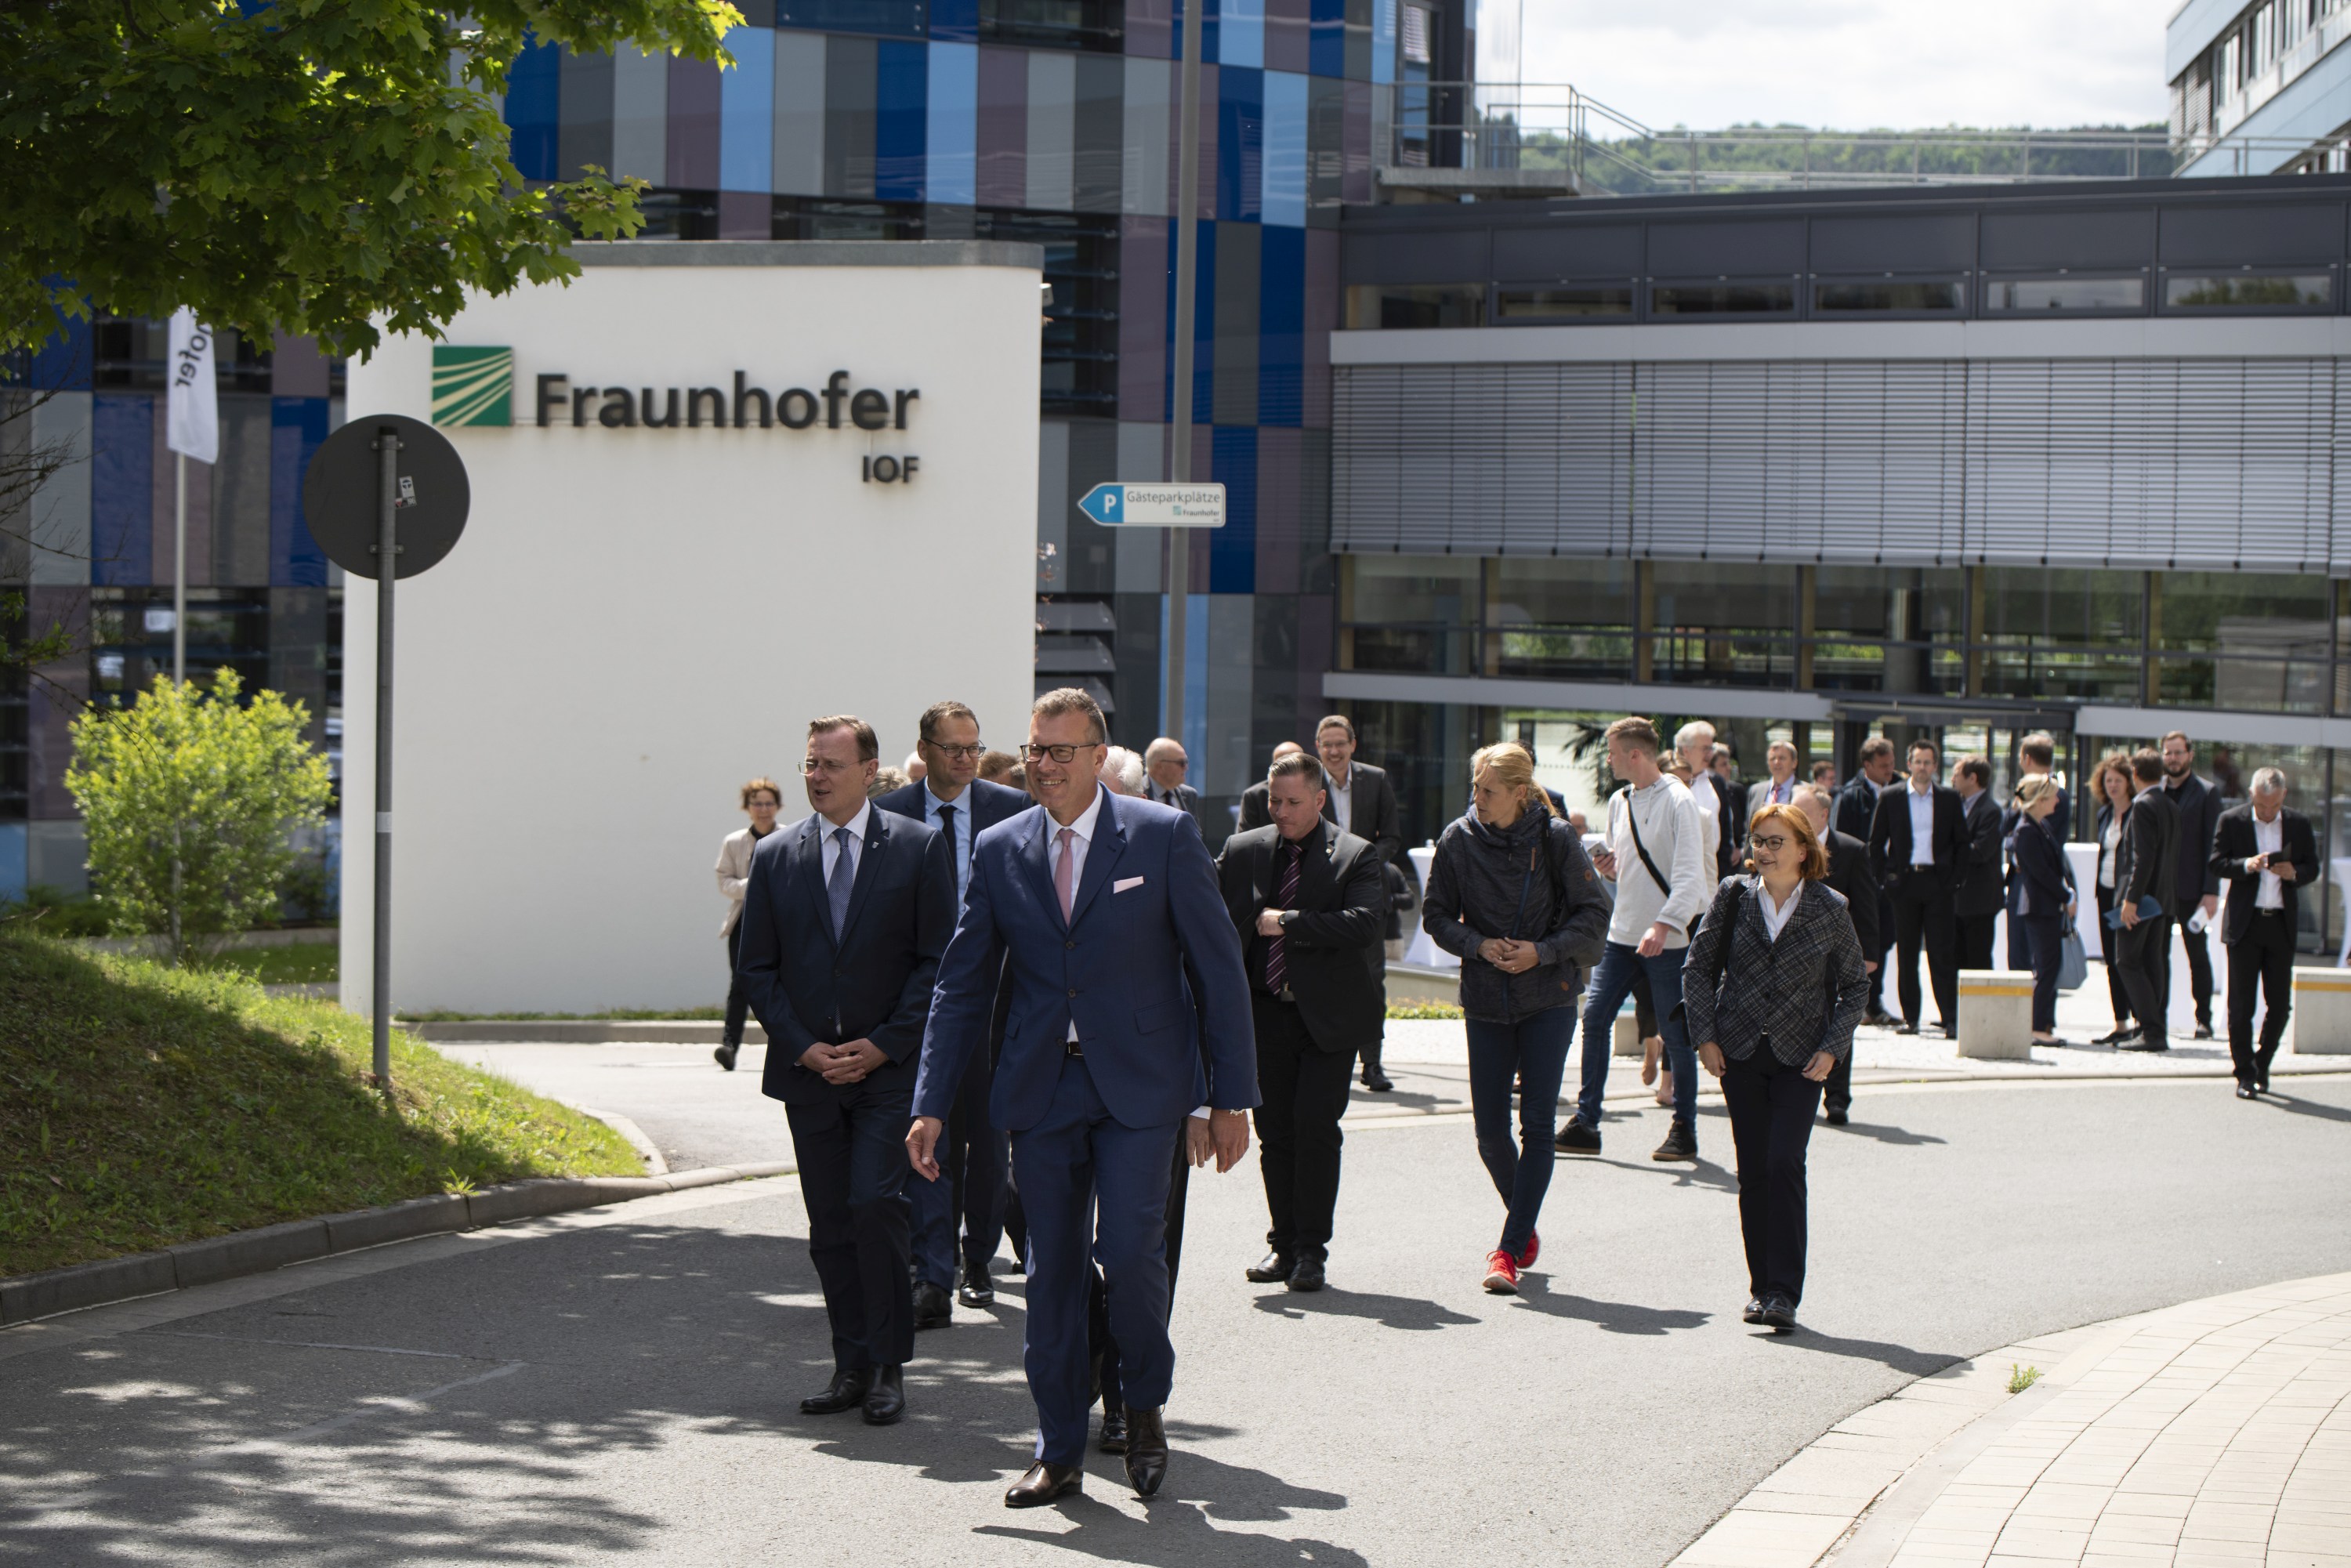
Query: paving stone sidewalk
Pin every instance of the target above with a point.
(2212, 1435)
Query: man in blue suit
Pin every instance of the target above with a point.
(954, 799)
(844, 920)
(1095, 909)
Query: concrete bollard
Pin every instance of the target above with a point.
(1626, 1039)
(1995, 1015)
(2321, 1012)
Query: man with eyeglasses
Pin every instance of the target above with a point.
(955, 799)
(1101, 913)
(1164, 765)
(845, 918)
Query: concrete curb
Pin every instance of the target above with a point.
(31, 1296)
(582, 1031)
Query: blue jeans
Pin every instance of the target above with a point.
(1531, 1053)
(1611, 984)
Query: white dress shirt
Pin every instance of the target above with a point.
(1922, 822)
(2268, 838)
(959, 844)
(1081, 838)
(1775, 916)
(1342, 797)
(832, 848)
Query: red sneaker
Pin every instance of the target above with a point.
(1526, 1259)
(1502, 1273)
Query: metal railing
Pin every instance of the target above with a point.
(1606, 151)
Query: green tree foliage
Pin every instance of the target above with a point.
(1775, 157)
(305, 166)
(191, 800)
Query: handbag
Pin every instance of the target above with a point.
(2073, 963)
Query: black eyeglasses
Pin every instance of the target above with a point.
(1057, 753)
(1768, 846)
(960, 753)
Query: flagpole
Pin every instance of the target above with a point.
(180, 573)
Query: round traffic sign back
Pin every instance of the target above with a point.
(342, 495)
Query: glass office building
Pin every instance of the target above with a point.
(2260, 88)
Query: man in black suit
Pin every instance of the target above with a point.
(2200, 817)
(844, 920)
(2036, 753)
(1358, 796)
(1310, 901)
(2266, 854)
(952, 797)
(1856, 808)
(1916, 837)
(1165, 764)
(2147, 866)
(1254, 812)
(1983, 881)
(1849, 873)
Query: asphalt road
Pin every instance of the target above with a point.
(622, 1386)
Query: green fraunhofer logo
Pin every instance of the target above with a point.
(471, 386)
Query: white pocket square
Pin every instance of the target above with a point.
(1122, 885)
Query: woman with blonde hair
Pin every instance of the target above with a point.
(1775, 984)
(2044, 895)
(1512, 893)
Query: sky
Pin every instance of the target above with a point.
(1850, 64)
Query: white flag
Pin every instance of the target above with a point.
(195, 395)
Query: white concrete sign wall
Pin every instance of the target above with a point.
(640, 616)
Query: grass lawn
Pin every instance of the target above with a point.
(142, 1105)
(295, 964)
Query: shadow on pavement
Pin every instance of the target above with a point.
(2307, 1107)
(1883, 1133)
(1176, 1532)
(1611, 1317)
(1900, 1357)
(1407, 1313)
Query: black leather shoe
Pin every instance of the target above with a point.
(933, 1310)
(2146, 1042)
(847, 1392)
(1882, 1019)
(1681, 1142)
(1779, 1315)
(1838, 1117)
(2121, 1033)
(1753, 1313)
(2262, 1079)
(1113, 1432)
(886, 1400)
(1271, 1270)
(1575, 1139)
(1147, 1450)
(1307, 1275)
(2247, 1091)
(1375, 1081)
(724, 1056)
(976, 1289)
(2203, 1031)
(1044, 1483)
(1905, 1028)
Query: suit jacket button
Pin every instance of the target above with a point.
(1070, 945)
(1074, 993)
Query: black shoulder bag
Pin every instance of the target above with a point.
(1632, 818)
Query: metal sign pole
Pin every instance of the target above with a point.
(387, 553)
(180, 570)
(1187, 239)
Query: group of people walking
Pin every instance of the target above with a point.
(1035, 1010)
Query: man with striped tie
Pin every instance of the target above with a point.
(1310, 901)
(1780, 788)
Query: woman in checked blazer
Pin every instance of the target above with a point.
(1773, 987)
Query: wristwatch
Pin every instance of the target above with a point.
(1282, 919)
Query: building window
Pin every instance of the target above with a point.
(2249, 291)
(1080, 373)
(1391, 306)
(1889, 629)
(1725, 623)
(1723, 296)
(813, 217)
(1890, 296)
(1417, 613)
(1565, 302)
(1055, 23)
(2020, 295)
(2256, 641)
(1563, 618)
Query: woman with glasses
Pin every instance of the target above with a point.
(2044, 896)
(1512, 892)
(1774, 984)
(762, 798)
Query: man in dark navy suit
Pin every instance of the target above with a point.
(1101, 913)
(845, 920)
(1918, 835)
(954, 799)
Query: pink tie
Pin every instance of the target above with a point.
(1065, 873)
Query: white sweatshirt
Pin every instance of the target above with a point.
(1674, 837)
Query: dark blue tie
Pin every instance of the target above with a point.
(836, 888)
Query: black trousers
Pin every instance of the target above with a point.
(1102, 1348)
(1885, 945)
(2118, 993)
(2199, 973)
(2142, 953)
(980, 1160)
(1303, 1092)
(851, 1149)
(1836, 1092)
(1922, 915)
(738, 1001)
(1975, 941)
(1771, 1106)
(2263, 957)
